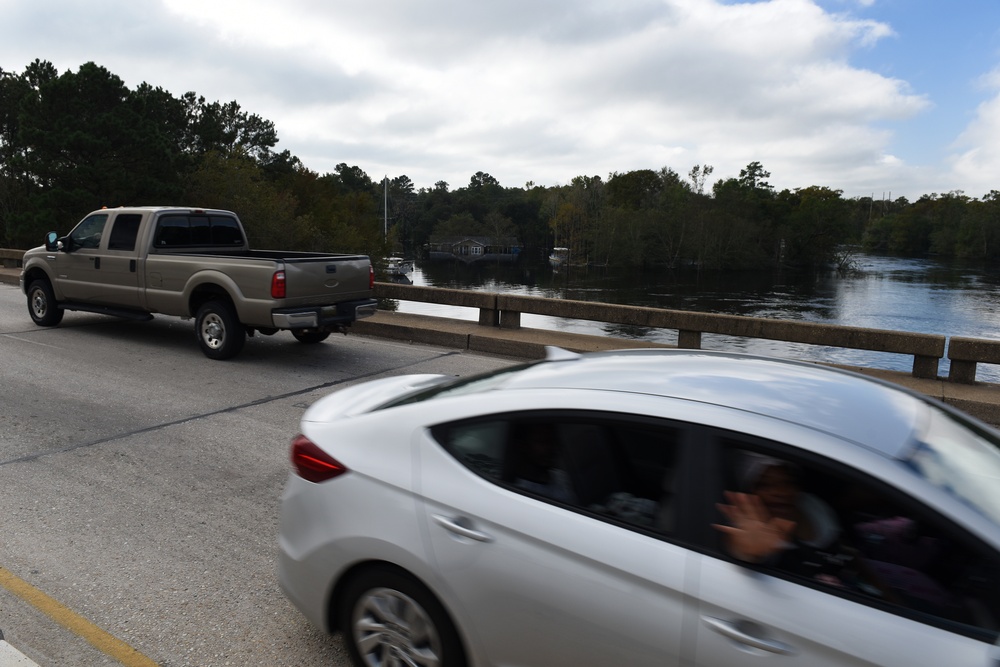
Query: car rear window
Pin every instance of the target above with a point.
(197, 230)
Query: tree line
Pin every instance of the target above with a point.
(75, 141)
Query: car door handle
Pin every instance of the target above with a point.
(741, 631)
(456, 526)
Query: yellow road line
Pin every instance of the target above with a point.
(72, 621)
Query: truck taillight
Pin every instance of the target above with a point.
(371, 277)
(313, 464)
(278, 285)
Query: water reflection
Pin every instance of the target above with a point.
(917, 295)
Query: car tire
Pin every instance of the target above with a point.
(219, 331)
(42, 306)
(388, 618)
(310, 336)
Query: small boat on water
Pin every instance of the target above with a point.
(559, 257)
(397, 266)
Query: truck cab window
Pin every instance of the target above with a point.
(225, 231)
(179, 231)
(172, 231)
(87, 234)
(124, 232)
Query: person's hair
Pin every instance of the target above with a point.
(755, 465)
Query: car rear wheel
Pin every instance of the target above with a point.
(220, 333)
(310, 336)
(42, 304)
(390, 619)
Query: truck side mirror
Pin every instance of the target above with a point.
(51, 241)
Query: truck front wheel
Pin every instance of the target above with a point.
(42, 304)
(219, 331)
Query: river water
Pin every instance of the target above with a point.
(917, 295)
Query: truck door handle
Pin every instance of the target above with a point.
(458, 527)
(747, 633)
(131, 265)
(96, 261)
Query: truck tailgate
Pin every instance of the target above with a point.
(324, 280)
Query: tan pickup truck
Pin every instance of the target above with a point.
(136, 261)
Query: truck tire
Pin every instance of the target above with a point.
(219, 331)
(310, 336)
(42, 304)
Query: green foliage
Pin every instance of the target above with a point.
(75, 141)
(461, 224)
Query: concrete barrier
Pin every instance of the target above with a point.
(503, 312)
(965, 353)
(926, 349)
(10, 259)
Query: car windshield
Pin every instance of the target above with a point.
(458, 387)
(962, 459)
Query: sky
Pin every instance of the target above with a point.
(876, 98)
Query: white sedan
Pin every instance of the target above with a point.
(645, 507)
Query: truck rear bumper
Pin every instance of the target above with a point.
(325, 316)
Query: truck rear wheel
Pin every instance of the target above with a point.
(310, 336)
(219, 331)
(42, 304)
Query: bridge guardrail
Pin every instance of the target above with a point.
(504, 311)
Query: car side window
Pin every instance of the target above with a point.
(88, 233)
(124, 231)
(852, 535)
(477, 445)
(620, 471)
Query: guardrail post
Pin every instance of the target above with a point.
(925, 367)
(489, 317)
(689, 340)
(510, 319)
(965, 353)
(962, 371)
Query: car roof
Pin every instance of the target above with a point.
(869, 412)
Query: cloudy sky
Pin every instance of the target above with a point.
(872, 97)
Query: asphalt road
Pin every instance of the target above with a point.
(140, 485)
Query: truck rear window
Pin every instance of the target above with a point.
(185, 231)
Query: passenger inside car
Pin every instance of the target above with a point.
(534, 463)
(774, 521)
(856, 540)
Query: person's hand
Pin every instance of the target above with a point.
(753, 534)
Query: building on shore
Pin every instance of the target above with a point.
(474, 249)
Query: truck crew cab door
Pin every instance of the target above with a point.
(99, 264)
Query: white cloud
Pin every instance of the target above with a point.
(524, 90)
(977, 161)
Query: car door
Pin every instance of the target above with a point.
(78, 265)
(536, 578)
(919, 592)
(102, 265)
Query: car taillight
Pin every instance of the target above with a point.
(313, 464)
(278, 285)
(371, 277)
